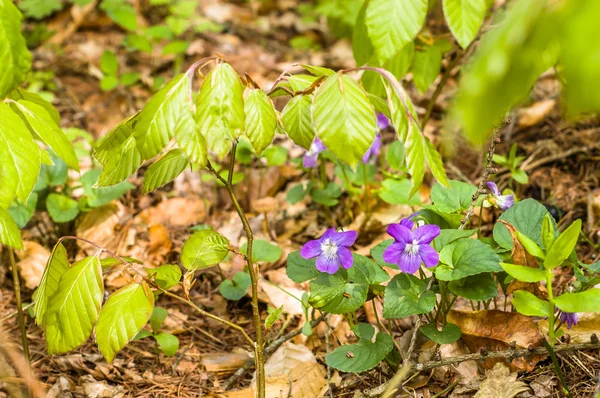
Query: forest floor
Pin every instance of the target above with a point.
(562, 159)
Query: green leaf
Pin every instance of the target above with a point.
(167, 114)
(548, 231)
(123, 315)
(527, 217)
(220, 108)
(175, 47)
(366, 271)
(165, 170)
(524, 274)
(457, 197)
(447, 236)
(301, 82)
(19, 157)
(529, 245)
(121, 12)
(9, 231)
(464, 18)
(52, 175)
(377, 254)
(236, 287)
(563, 246)
(466, 257)
(45, 127)
(21, 213)
(299, 269)
(109, 82)
(528, 304)
(361, 356)
(14, 56)
(449, 333)
(123, 164)
(296, 194)
(588, 301)
(96, 197)
(166, 276)
(344, 118)
(426, 66)
(394, 23)
(261, 119)
(362, 49)
(318, 71)
(394, 156)
(142, 335)
(57, 265)
(157, 318)
(39, 9)
(129, 79)
(397, 192)
(137, 42)
(334, 294)
(263, 251)
(73, 310)
(61, 208)
(19, 94)
(168, 343)
(519, 176)
(109, 65)
(406, 295)
(274, 314)
(275, 155)
(115, 139)
(297, 120)
(475, 287)
(204, 249)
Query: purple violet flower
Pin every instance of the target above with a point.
(310, 157)
(503, 202)
(570, 318)
(411, 247)
(382, 121)
(331, 250)
(373, 149)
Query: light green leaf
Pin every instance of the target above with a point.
(466, 257)
(45, 127)
(548, 231)
(220, 108)
(297, 120)
(407, 295)
(236, 287)
(123, 163)
(20, 160)
(397, 192)
(123, 315)
(528, 304)
(344, 119)
(335, 294)
(167, 114)
(457, 197)
(588, 301)
(21, 213)
(362, 49)
(529, 245)
(168, 343)
(475, 287)
(157, 318)
(109, 65)
(449, 333)
(61, 207)
(261, 119)
(275, 155)
(96, 197)
(274, 314)
(263, 251)
(204, 249)
(464, 18)
(9, 231)
(524, 274)
(426, 66)
(121, 12)
(165, 170)
(19, 94)
(563, 246)
(394, 23)
(299, 269)
(301, 82)
(57, 265)
(166, 276)
(318, 71)
(14, 56)
(110, 144)
(527, 217)
(361, 356)
(447, 236)
(109, 83)
(73, 310)
(39, 9)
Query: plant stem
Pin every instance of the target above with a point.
(259, 358)
(20, 316)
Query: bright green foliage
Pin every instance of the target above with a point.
(9, 231)
(124, 163)
(274, 314)
(363, 355)
(39, 9)
(204, 249)
(73, 310)
(121, 12)
(527, 217)
(475, 287)
(168, 343)
(157, 318)
(263, 251)
(299, 269)
(447, 236)
(220, 108)
(362, 49)
(165, 170)
(407, 295)
(588, 301)
(344, 119)
(318, 71)
(529, 245)
(456, 198)
(61, 207)
(20, 94)
(96, 197)
(563, 246)
(449, 333)
(111, 143)
(528, 304)
(398, 192)
(464, 18)
(123, 315)
(236, 287)
(327, 196)
(275, 155)
(523, 273)
(166, 276)
(21, 212)
(14, 56)
(466, 257)
(57, 265)
(392, 24)
(426, 66)
(261, 119)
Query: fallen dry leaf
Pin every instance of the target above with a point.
(176, 212)
(100, 389)
(224, 362)
(160, 242)
(99, 225)
(32, 262)
(500, 383)
(535, 113)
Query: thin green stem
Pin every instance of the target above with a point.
(20, 315)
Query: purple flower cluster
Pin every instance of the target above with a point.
(332, 250)
(503, 202)
(373, 149)
(310, 157)
(570, 318)
(412, 246)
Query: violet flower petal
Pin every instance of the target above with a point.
(394, 252)
(430, 257)
(382, 121)
(345, 256)
(400, 233)
(408, 223)
(493, 188)
(426, 233)
(328, 264)
(311, 249)
(409, 263)
(346, 238)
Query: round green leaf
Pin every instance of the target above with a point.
(235, 288)
(455, 198)
(204, 249)
(299, 269)
(527, 217)
(168, 343)
(475, 287)
(361, 356)
(263, 251)
(61, 208)
(406, 295)
(466, 257)
(449, 333)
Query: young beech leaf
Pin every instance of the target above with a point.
(157, 318)
(587, 301)
(362, 48)
(426, 66)
(528, 304)
(123, 315)
(165, 170)
(406, 295)
(449, 333)
(168, 343)
(72, 312)
(123, 163)
(361, 356)
(464, 17)
(220, 108)
(563, 246)
(9, 231)
(56, 266)
(343, 118)
(263, 251)
(297, 120)
(318, 71)
(204, 249)
(392, 24)
(235, 288)
(110, 144)
(19, 157)
(166, 276)
(14, 56)
(261, 119)
(21, 94)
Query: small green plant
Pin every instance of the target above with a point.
(513, 163)
(166, 343)
(111, 76)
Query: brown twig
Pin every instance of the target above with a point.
(20, 315)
